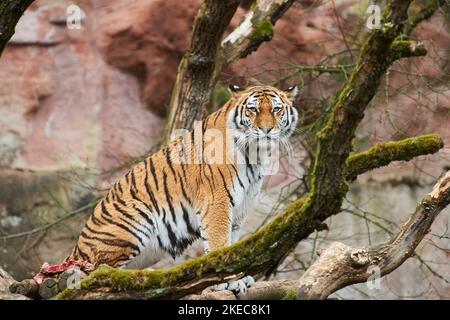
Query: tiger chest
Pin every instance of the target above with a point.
(247, 195)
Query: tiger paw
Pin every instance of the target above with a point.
(238, 287)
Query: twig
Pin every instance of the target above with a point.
(49, 225)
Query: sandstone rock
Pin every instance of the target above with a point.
(61, 105)
(140, 39)
(35, 28)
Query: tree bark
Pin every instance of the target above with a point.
(5, 281)
(200, 67)
(10, 13)
(251, 255)
(256, 28)
(424, 14)
(341, 265)
(195, 72)
(262, 251)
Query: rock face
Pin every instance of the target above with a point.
(62, 104)
(63, 110)
(143, 39)
(77, 103)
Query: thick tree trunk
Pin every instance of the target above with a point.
(10, 13)
(196, 69)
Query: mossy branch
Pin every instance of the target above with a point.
(250, 255)
(256, 28)
(384, 153)
(264, 249)
(195, 78)
(406, 48)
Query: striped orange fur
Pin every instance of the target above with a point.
(164, 204)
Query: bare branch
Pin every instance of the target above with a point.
(5, 281)
(51, 224)
(256, 28)
(424, 14)
(341, 265)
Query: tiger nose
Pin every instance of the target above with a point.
(266, 129)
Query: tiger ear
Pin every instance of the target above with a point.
(292, 92)
(234, 89)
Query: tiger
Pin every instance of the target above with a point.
(163, 204)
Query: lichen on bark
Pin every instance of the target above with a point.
(384, 153)
(263, 31)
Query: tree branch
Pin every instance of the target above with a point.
(194, 80)
(256, 28)
(261, 290)
(341, 265)
(424, 14)
(384, 153)
(107, 282)
(10, 13)
(264, 249)
(406, 48)
(208, 57)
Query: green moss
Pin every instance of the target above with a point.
(384, 153)
(259, 249)
(405, 48)
(263, 31)
(219, 97)
(291, 294)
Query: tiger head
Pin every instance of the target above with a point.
(263, 114)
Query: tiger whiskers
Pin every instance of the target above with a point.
(287, 146)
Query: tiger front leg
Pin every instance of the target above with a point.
(217, 232)
(215, 226)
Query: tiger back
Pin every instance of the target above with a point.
(200, 186)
